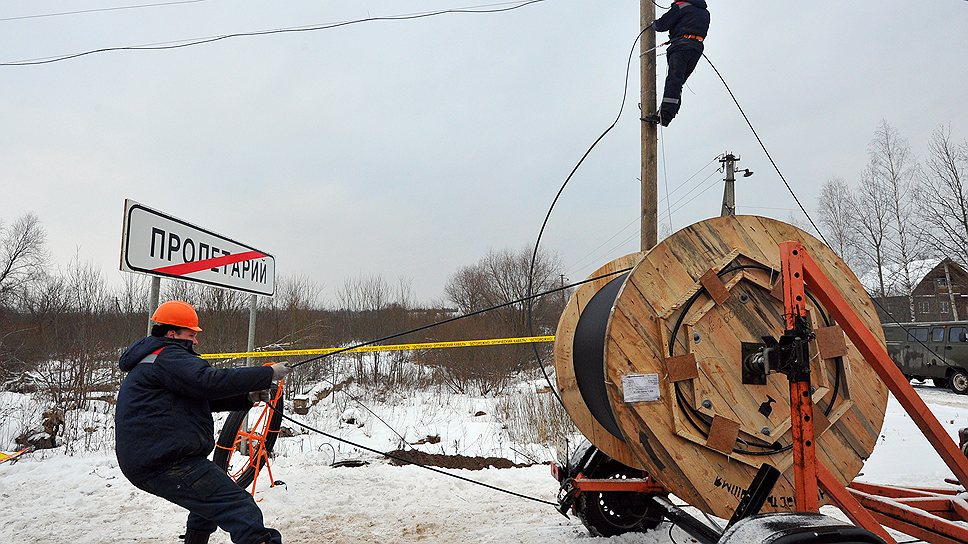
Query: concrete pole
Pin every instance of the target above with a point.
(729, 191)
(649, 132)
(153, 296)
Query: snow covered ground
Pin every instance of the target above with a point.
(51, 497)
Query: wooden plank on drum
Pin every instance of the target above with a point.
(638, 334)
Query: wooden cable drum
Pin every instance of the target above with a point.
(576, 359)
(682, 322)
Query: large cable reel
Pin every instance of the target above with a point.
(650, 363)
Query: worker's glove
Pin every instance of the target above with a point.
(280, 371)
(260, 396)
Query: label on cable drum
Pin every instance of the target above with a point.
(640, 387)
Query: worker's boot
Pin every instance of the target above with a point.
(192, 536)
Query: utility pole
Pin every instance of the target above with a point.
(564, 298)
(729, 191)
(649, 131)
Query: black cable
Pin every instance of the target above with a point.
(358, 401)
(804, 210)
(267, 32)
(765, 150)
(692, 412)
(136, 6)
(458, 318)
(403, 460)
(544, 224)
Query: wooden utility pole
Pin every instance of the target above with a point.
(649, 131)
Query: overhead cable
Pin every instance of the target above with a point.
(765, 150)
(544, 224)
(118, 8)
(199, 41)
(807, 215)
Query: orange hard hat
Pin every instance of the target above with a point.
(178, 313)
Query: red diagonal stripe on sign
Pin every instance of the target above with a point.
(195, 266)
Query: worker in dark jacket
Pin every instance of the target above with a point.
(164, 431)
(687, 23)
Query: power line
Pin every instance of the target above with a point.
(690, 191)
(665, 175)
(487, 8)
(690, 178)
(699, 194)
(629, 238)
(136, 6)
(582, 261)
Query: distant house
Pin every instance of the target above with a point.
(940, 291)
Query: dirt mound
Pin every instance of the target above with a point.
(450, 461)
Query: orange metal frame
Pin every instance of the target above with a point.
(634, 485)
(255, 441)
(933, 515)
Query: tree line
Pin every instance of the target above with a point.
(902, 208)
(63, 329)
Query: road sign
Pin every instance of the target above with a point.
(155, 243)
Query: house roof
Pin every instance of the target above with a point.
(894, 277)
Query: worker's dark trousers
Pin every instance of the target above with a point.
(213, 500)
(683, 55)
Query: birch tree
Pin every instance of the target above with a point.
(942, 196)
(872, 226)
(892, 168)
(838, 216)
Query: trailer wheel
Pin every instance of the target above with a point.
(240, 467)
(615, 513)
(959, 381)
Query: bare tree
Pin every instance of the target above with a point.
(942, 195)
(22, 255)
(501, 277)
(838, 216)
(872, 225)
(132, 296)
(892, 168)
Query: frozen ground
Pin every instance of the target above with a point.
(55, 498)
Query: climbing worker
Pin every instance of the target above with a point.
(687, 23)
(164, 431)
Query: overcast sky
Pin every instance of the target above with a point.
(410, 148)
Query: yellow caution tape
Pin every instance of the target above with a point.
(391, 347)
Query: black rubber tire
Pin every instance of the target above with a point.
(940, 382)
(615, 513)
(958, 381)
(226, 439)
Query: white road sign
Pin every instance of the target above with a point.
(156, 243)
